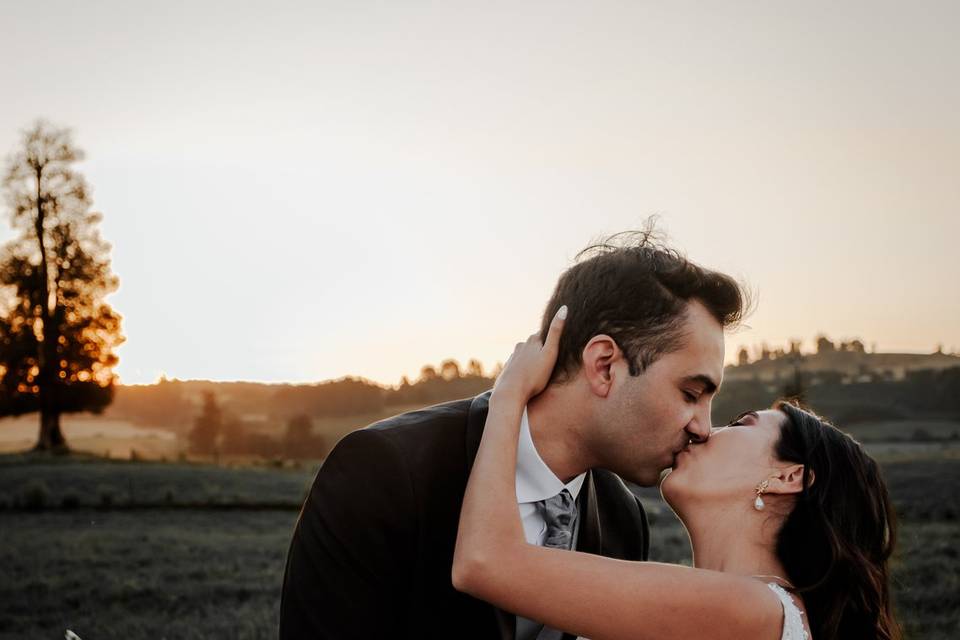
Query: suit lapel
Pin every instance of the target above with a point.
(590, 538)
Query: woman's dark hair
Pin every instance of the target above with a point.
(635, 289)
(836, 542)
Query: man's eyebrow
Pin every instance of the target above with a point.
(709, 386)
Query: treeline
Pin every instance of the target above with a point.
(305, 421)
(173, 404)
(218, 432)
(921, 394)
(290, 421)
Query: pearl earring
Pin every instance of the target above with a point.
(758, 503)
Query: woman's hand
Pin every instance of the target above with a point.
(528, 369)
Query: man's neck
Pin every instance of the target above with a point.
(557, 421)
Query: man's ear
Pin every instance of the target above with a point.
(598, 357)
(788, 480)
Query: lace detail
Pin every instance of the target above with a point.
(793, 628)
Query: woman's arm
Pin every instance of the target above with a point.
(489, 510)
(581, 593)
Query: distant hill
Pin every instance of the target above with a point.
(851, 366)
(848, 386)
(174, 404)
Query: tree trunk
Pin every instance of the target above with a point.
(51, 437)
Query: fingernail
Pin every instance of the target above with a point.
(562, 312)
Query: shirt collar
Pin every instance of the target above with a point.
(535, 480)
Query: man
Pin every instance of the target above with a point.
(372, 550)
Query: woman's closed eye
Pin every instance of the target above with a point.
(745, 419)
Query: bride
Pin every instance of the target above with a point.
(790, 522)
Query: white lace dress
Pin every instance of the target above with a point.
(793, 628)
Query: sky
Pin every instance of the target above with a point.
(298, 191)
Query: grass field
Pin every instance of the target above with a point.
(197, 551)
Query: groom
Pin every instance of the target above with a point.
(640, 360)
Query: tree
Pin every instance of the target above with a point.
(449, 370)
(58, 335)
(234, 434)
(205, 435)
(474, 368)
(743, 357)
(300, 441)
(824, 345)
(427, 372)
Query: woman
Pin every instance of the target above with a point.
(790, 522)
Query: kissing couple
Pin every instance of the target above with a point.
(506, 516)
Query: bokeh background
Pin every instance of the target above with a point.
(321, 214)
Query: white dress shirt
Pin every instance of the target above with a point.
(536, 482)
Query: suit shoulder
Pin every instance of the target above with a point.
(433, 431)
(436, 416)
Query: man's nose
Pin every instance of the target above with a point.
(714, 430)
(699, 428)
(697, 433)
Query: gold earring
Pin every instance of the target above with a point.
(758, 503)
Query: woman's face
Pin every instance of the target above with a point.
(727, 467)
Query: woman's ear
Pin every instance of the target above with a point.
(788, 480)
(598, 358)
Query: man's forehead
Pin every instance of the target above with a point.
(704, 346)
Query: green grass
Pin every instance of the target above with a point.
(904, 430)
(133, 574)
(146, 484)
(140, 569)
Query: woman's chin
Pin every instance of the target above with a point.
(667, 482)
(675, 487)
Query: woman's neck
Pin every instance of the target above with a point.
(735, 541)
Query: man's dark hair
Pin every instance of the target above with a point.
(636, 289)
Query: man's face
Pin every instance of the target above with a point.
(646, 420)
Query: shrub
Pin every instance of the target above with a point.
(35, 495)
(70, 500)
(212, 493)
(107, 495)
(168, 494)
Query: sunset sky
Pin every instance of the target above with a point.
(304, 190)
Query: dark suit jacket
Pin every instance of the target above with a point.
(372, 551)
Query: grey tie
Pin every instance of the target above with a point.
(560, 514)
